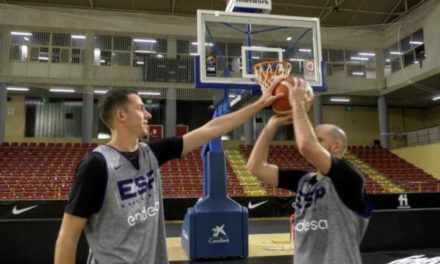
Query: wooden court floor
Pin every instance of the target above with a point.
(269, 242)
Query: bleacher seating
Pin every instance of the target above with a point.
(286, 157)
(399, 171)
(37, 171)
(45, 171)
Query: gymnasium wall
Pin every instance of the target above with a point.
(424, 156)
(428, 18)
(360, 122)
(15, 119)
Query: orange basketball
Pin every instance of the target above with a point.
(282, 105)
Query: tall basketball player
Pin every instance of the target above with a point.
(116, 196)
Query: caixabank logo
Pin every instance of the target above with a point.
(219, 235)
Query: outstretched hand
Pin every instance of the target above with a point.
(267, 96)
(300, 94)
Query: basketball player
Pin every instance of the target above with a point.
(117, 196)
(331, 209)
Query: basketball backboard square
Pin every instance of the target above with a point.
(230, 44)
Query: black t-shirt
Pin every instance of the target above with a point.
(89, 183)
(347, 179)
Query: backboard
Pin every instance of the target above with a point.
(230, 44)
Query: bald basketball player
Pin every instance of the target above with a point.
(331, 210)
(116, 196)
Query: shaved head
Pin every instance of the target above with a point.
(335, 136)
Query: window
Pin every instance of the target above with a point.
(112, 50)
(47, 47)
(127, 51)
(408, 51)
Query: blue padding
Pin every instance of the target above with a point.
(217, 226)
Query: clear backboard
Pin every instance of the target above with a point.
(230, 44)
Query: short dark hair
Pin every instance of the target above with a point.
(111, 100)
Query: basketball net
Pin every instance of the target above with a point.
(266, 70)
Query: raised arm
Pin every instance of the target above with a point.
(68, 237)
(223, 124)
(306, 139)
(257, 163)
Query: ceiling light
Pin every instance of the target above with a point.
(289, 38)
(340, 99)
(293, 59)
(413, 42)
(436, 98)
(368, 54)
(26, 38)
(358, 73)
(144, 51)
(16, 33)
(396, 52)
(359, 58)
(140, 63)
(100, 91)
(193, 54)
(145, 40)
(305, 50)
(149, 93)
(78, 37)
(60, 90)
(17, 89)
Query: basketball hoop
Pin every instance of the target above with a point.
(266, 70)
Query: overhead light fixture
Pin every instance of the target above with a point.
(368, 54)
(256, 57)
(104, 136)
(293, 59)
(159, 56)
(102, 61)
(26, 38)
(145, 51)
(61, 90)
(149, 93)
(305, 50)
(288, 38)
(387, 60)
(340, 99)
(43, 58)
(358, 73)
(436, 98)
(413, 42)
(359, 58)
(396, 53)
(193, 54)
(194, 43)
(78, 37)
(140, 63)
(99, 91)
(145, 40)
(17, 33)
(17, 89)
